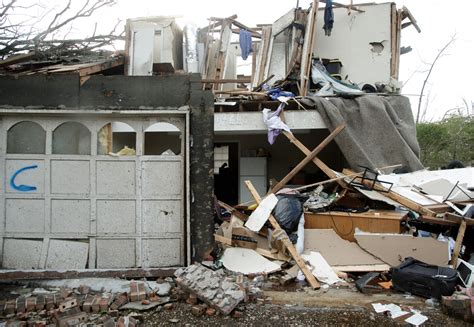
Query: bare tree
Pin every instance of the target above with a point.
(432, 64)
(46, 30)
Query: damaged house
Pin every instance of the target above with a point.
(152, 159)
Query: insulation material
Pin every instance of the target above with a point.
(394, 248)
(247, 261)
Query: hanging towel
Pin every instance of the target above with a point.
(245, 40)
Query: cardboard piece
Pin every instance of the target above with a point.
(247, 261)
(335, 250)
(394, 248)
(243, 238)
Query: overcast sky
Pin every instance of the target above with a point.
(449, 84)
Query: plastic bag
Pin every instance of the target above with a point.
(288, 211)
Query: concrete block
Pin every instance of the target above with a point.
(116, 177)
(157, 183)
(67, 254)
(211, 287)
(116, 216)
(24, 215)
(70, 216)
(162, 252)
(62, 170)
(162, 216)
(21, 254)
(31, 177)
(114, 253)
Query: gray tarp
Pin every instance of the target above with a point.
(380, 130)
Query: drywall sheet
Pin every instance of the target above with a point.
(394, 248)
(247, 261)
(335, 250)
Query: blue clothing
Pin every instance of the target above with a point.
(245, 40)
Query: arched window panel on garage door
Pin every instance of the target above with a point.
(163, 139)
(72, 138)
(116, 138)
(26, 137)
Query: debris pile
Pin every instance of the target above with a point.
(64, 306)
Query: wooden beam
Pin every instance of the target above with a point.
(458, 244)
(305, 161)
(340, 5)
(286, 241)
(321, 165)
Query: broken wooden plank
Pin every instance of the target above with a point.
(458, 244)
(18, 58)
(286, 241)
(308, 47)
(308, 158)
(407, 14)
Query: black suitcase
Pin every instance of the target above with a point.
(422, 279)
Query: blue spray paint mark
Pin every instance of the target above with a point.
(22, 188)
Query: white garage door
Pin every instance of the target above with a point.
(93, 192)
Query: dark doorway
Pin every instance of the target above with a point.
(226, 172)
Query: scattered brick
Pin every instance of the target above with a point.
(84, 289)
(30, 304)
(192, 299)
(67, 304)
(87, 305)
(104, 302)
(21, 304)
(96, 304)
(65, 292)
(237, 314)
(137, 291)
(210, 312)
(198, 310)
(40, 302)
(10, 307)
(120, 300)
